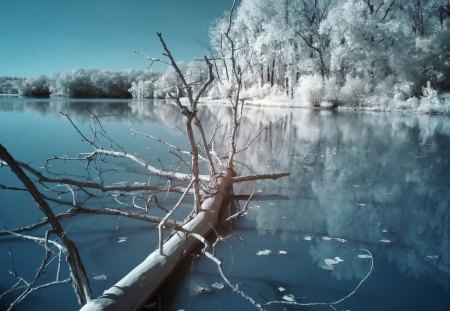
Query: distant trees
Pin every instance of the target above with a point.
(9, 85)
(34, 87)
(347, 51)
(96, 83)
(374, 45)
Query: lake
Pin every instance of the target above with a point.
(359, 181)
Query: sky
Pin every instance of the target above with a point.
(43, 37)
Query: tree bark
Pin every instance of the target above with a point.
(139, 285)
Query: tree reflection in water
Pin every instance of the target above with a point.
(376, 180)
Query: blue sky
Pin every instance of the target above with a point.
(47, 36)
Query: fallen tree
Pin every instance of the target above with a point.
(211, 193)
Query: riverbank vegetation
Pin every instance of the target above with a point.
(389, 55)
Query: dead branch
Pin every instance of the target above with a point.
(133, 290)
(260, 177)
(98, 150)
(238, 80)
(190, 115)
(159, 140)
(78, 274)
(235, 288)
(151, 59)
(332, 303)
(165, 219)
(257, 135)
(243, 210)
(150, 168)
(89, 184)
(79, 210)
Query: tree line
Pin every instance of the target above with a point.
(321, 51)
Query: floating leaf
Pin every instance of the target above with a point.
(281, 289)
(327, 238)
(340, 240)
(364, 256)
(100, 277)
(330, 262)
(433, 256)
(122, 239)
(218, 285)
(307, 237)
(385, 241)
(289, 297)
(328, 267)
(282, 252)
(265, 252)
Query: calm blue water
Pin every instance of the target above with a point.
(370, 181)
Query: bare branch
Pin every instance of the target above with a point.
(151, 59)
(244, 209)
(165, 219)
(260, 176)
(78, 273)
(257, 134)
(93, 185)
(177, 69)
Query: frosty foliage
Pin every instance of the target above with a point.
(352, 52)
(94, 83)
(34, 87)
(374, 54)
(310, 88)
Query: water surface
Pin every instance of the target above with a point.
(359, 180)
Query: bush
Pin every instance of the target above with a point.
(35, 87)
(310, 89)
(353, 91)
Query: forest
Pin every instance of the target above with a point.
(388, 55)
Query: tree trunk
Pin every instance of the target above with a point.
(139, 285)
(273, 72)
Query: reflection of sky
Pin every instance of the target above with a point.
(362, 177)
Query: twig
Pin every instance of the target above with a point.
(257, 135)
(243, 210)
(333, 302)
(164, 220)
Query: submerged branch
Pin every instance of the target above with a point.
(78, 273)
(90, 184)
(260, 176)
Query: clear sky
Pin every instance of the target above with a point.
(47, 36)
